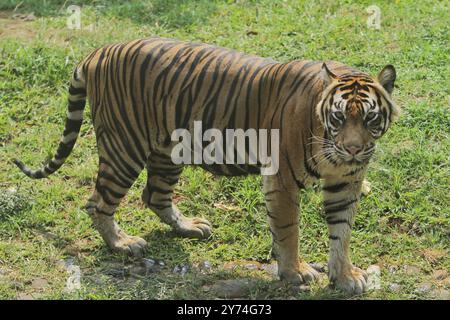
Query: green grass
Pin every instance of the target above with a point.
(404, 221)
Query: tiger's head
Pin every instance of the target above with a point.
(355, 111)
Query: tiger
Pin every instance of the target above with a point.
(329, 116)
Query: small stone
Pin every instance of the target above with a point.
(250, 265)
(299, 289)
(181, 269)
(366, 187)
(234, 288)
(373, 280)
(39, 283)
(395, 287)
(204, 266)
(206, 288)
(374, 269)
(30, 17)
(99, 280)
(148, 262)
(411, 270)
(440, 294)
(446, 282)
(184, 269)
(424, 287)
(393, 269)
(271, 269)
(65, 264)
(16, 285)
(144, 267)
(24, 296)
(440, 274)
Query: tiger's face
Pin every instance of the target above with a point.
(355, 111)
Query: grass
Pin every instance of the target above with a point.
(404, 221)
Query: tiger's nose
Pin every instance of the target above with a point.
(353, 149)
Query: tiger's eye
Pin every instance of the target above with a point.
(337, 118)
(373, 119)
(370, 116)
(339, 115)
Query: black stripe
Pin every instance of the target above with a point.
(338, 221)
(76, 91)
(272, 191)
(159, 190)
(287, 225)
(308, 168)
(299, 183)
(353, 172)
(275, 237)
(159, 206)
(271, 215)
(64, 150)
(76, 105)
(97, 210)
(339, 208)
(116, 157)
(53, 165)
(118, 172)
(335, 188)
(72, 126)
(113, 178)
(106, 198)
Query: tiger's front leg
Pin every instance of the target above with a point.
(283, 214)
(340, 202)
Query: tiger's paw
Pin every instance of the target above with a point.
(308, 273)
(353, 282)
(196, 228)
(305, 274)
(115, 238)
(128, 245)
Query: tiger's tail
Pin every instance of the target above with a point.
(74, 119)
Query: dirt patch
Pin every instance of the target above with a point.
(16, 29)
(24, 27)
(16, 26)
(433, 255)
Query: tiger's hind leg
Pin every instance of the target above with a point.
(162, 177)
(111, 186)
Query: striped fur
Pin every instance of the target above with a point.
(141, 91)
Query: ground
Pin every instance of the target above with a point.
(46, 236)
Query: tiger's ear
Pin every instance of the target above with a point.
(387, 78)
(327, 75)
